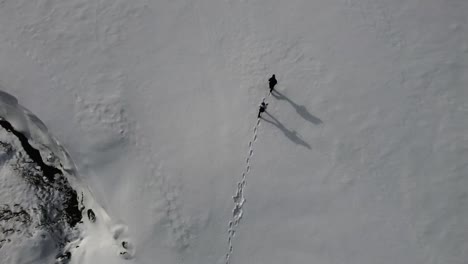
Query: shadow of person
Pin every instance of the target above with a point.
(290, 134)
(300, 109)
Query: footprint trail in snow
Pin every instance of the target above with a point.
(239, 199)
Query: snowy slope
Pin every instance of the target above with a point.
(46, 212)
(362, 158)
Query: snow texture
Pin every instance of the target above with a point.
(361, 156)
(42, 201)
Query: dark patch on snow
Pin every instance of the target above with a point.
(63, 258)
(289, 133)
(13, 214)
(91, 216)
(54, 176)
(33, 153)
(300, 109)
(7, 213)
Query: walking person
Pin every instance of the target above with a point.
(272, 81)
(262, 109)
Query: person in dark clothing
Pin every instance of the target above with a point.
(262, 109)
(272, 82)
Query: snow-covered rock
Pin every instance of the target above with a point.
(46, 214)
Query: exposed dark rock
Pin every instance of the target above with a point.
(33, 153)
(54, 176)
(91, 216)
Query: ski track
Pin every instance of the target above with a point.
(239, 198)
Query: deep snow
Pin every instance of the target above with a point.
(363, 158)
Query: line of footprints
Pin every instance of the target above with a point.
(239, 199)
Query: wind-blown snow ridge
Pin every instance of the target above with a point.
(239, 198)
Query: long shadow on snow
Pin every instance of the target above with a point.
(300, 109)
(290, 134)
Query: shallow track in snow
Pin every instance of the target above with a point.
(239, 198)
